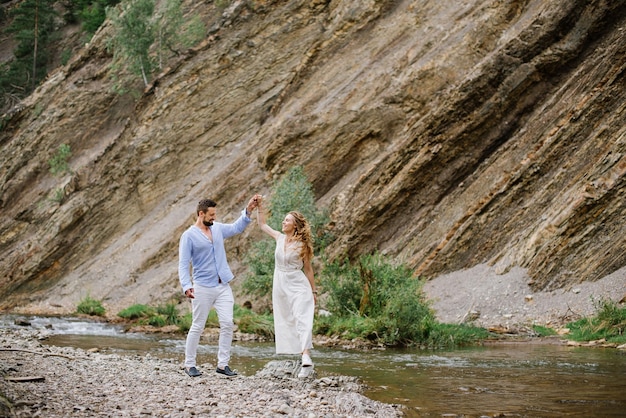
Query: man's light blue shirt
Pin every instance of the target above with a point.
(207, 258)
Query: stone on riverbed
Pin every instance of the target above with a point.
(85, 384)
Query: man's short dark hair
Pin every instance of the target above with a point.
(204, 205)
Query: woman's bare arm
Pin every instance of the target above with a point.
(260, 218)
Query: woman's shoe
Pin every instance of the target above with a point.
(306, 360)
(305, 372)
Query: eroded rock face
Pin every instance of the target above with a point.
(443, 134)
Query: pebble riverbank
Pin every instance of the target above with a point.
(37, 380)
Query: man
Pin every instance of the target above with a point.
(202, 247)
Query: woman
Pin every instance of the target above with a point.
(293, 294)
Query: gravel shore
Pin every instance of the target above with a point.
(488, 299)
(43, 381)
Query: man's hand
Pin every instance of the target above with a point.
(252, 203)
(189, 293)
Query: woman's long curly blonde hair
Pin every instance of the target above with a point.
(302, 233)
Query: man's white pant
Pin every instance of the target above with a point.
(221, 298)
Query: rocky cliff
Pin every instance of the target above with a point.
(444, 134)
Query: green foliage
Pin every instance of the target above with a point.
(292, 192)
(212, 321)
(89, 306)
(174, 32)
(135, 312)
(57, 195)
(609, 323)
(246, 320)
(543, 331)
(347, 327)
(157, 320)
(366, 287)
(58, 163)
(378, 301)
(144, 36)
(163, 314)
(184, 322)
(37, 111)
(65, 56)
(451, 335)
(32, 25)
(251, 323)
(169, 311)
(260, 261)
(222, 4)
(133, 34)
(92, 13)
(401, 313)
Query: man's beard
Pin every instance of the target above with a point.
(207, 223)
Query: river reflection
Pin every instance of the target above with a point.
(508, 379)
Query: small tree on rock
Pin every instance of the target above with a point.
(134, 33)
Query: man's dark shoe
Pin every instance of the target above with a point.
(192, 371)
(226, 371)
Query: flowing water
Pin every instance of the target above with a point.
(504, 379)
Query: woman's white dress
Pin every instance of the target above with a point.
(292, 299)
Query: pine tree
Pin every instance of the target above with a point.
(33, 22)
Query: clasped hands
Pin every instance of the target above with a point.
(254, 202)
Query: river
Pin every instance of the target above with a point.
(529, 379)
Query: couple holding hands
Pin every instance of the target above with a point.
(201, 246)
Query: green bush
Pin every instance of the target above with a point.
(386, 296)
(452, 335)
(260, 261)
(89, 306)
(157, 320)
(609, 323)
(252, 323)
(375, 300)
(184, 322)
(136, 312)
(403, 315)
(543, 331)
(58, 163)
(93, 14)
(367, 287)
(169, 311)
(347, 327)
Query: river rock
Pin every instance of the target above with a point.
(80, 383)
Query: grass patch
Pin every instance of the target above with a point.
(59, 161)
(135, 312)
(184, 322)
(90, 306)
(252, 323)
(542, 331)
(160, 316)
(609, 324)
(452, 335)
(169, 312)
